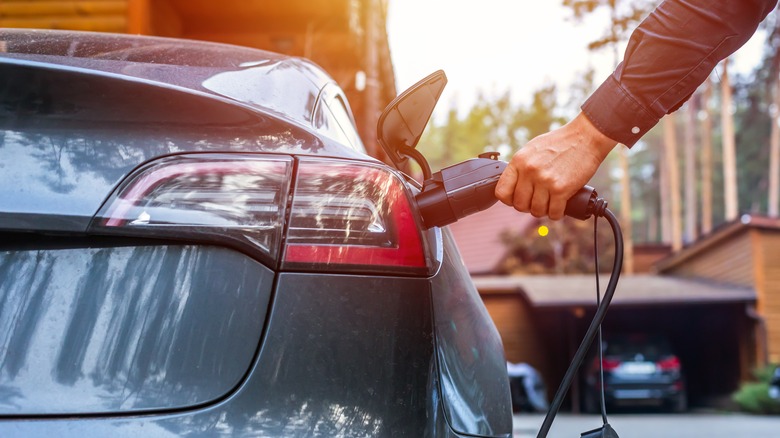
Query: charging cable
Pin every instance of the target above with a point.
(583, 205)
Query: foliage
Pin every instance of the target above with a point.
(624, 15)
(492, 124)
(753, 397)
(567, 249)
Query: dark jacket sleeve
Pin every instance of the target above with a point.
(668, 56)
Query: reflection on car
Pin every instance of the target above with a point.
(195, 243)
(639, 369)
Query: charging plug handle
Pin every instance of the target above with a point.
(469, 187)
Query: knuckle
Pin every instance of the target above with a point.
(520, 206)
(557, 187)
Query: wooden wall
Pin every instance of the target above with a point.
(514, 321)
(89, 15)
(767, 255)
(730, 260)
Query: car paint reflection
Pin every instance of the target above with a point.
(126, 328)
(465, 339)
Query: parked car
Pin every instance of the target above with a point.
(529, 393)
(639, 369)
(194, 243)
(774, 385)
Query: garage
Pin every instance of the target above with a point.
(712, 328)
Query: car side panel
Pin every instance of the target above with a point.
(472, 367)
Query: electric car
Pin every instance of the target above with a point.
(194, 243)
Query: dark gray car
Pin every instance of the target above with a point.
(639, 369)
(194, 243)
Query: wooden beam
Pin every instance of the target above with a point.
(138, 17)
(706, 158)
(96, 24)
(729, 147)
(690, 146)
(24, 9)
(670, 141)
(625, 213)
(774, 153)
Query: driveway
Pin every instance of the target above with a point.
(693, 425)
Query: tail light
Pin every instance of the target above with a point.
(610, 364)
(238, 199)
(670, 363)
(350, 217)
(343, 216)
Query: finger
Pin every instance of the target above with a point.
(557, 207)
(524, 192)
(505, 188)
(540, 202)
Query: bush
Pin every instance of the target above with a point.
(753, 397)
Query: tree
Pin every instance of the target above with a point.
(496, 124)
(623, 16)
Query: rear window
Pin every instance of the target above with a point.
(122, 329)
(627, 347)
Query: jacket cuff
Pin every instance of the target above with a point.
(616, 114)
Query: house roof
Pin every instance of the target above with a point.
(580, 290)
(717, 235)
(479, 236)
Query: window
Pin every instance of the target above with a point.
(332, 118)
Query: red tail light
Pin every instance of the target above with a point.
(352, 217)
(344, 216)
(610, 364)
(238, 199)
(670, 363)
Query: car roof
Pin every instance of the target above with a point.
(252, 77)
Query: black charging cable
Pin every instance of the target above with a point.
(583, 205)
(602, 398)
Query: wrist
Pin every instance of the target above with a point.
(594, 139)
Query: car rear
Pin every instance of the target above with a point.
(642, 369)
(180, 263)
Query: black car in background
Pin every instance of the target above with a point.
(194, 243)
(639, 370)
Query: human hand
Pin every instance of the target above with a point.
(550, 168)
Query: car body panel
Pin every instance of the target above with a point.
(126, 328)
(302, 386)
(258, 79)
(470, 353)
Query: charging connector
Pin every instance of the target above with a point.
(584, 204)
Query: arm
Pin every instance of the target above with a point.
(668, 56)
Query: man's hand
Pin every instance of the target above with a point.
(549, 169)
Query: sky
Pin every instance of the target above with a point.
(490, 46)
